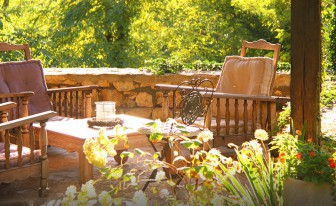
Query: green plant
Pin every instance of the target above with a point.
(162, 66)
(209, 178)
(283, 119)
(328, 93)
(306, 160)
(284, 66)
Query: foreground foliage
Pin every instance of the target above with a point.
(208, 177)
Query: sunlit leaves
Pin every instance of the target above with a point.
(191, 144)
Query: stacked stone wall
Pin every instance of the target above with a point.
(133, 90)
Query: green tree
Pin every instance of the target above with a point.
(95, 32)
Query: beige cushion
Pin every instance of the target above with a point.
(26, 76)
(244, 75)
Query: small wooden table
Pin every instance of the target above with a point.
(70, 134)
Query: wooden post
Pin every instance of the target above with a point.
(306, 65)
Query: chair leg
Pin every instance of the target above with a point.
(44, 189)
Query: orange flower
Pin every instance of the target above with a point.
(298, 132)
(281, 154)
(310, 139)
(331, 163)
(282, 160)
(299, 155)
(311, 154)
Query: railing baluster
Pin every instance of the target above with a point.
(54, 97)
(245, 117)
(60, 104)
(227, 116)
(65, 104)
(71, 104)
(236, 116)
(218, 118)
(254, 115)
(77, 103)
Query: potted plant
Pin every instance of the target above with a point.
(308, 168)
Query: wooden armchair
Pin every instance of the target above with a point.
(18, 162)
(241, 102)
(24, 83)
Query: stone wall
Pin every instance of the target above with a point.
(133, 90)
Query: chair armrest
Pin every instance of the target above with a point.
(7, 106)
(17, 95)
(69, 89)
(21, 99)
(27, 120)
(248, 97)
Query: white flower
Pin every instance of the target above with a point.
(89, 189)
(139, 198)
(133, 179)
(163, 193)
(205, 135)
(70, 191)
(105, 198)
(215, 152)
(261, 134)
(255, 146)
(159, 176)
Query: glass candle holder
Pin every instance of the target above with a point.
(105, 110)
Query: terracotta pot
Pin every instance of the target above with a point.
(298, 192)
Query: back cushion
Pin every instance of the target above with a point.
(244, 75)
(26, 76)
(3, 83)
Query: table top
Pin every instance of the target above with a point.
(78, 128)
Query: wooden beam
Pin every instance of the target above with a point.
(306, 65)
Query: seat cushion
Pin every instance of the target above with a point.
(23, 76)
(13, 156)
(244, 75)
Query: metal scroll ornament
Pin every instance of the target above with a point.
(191, 107)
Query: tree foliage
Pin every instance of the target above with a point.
(128, 33)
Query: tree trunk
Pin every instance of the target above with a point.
(306, 65)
